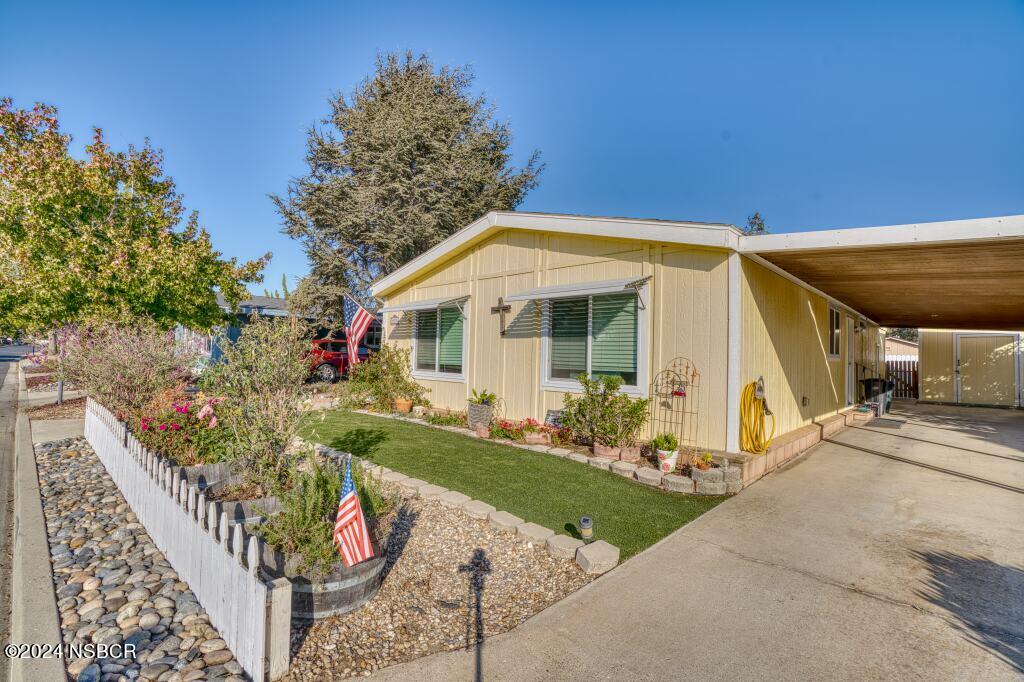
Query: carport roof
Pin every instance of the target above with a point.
(963, 274)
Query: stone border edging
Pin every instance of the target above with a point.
(674, 483)
(34, 616)
(596, 558)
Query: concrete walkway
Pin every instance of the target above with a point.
(844, 565)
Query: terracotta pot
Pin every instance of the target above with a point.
(537, 438)
(630, 454)
(403, 405)
(606, 451)
(482, 430)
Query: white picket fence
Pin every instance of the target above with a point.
(222, 566)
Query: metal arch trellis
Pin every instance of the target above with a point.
(675, 401)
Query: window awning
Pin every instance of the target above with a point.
(608, 286)
(428, 304)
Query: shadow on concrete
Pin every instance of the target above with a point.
(477, 569)
(984, 600)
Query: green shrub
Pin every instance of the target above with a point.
(447, 419)
(384, 378)
(304, 527)
(261, 376)
(602, 413)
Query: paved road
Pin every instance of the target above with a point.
(8, 414)
(844, 565)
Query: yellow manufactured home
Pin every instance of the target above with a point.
(971, 367)
(521, 304)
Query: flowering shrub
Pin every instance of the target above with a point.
(127, 366)
(261, 376)
(383, 379)
(507, 428)
(185, 429)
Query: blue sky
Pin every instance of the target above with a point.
(819, 115)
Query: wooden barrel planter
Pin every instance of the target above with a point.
(313, 597)
(342, 590)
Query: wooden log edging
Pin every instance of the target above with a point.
(220, 561)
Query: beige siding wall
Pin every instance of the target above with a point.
(687, 315)
(785, 340)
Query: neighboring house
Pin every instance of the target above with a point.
(972, 367)
(900, 349)
(623, 297)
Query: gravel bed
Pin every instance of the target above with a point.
(73, 408)
(41, 383)
(113, 586)
(427, 602)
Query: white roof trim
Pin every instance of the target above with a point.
(950, 231)
(609, 286)
(428, 304)
(695, 234)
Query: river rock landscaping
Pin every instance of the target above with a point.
(113, 585)
(426, 603)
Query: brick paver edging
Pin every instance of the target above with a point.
(595, 558)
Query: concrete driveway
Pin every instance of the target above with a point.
(847, 564)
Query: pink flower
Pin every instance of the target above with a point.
(213, 422)
(145, 426)
(162, 427)
(175, 426)
(205, 412)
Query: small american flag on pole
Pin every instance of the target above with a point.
(359, 320)
(350, 531)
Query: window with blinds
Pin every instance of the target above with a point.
(596, 335)
(439, 340)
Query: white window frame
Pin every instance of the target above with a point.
(832, 310)
(436, 375)
(547, 383)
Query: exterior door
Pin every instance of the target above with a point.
(986, 369)
(851, 376)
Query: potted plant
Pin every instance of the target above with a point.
(666, 446)
(480, 409)
(534, 433)
(604, 415)
(702, 462)
(403, 405)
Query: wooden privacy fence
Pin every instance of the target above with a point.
(219, 560)
(903, 373)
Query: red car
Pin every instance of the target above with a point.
(329, 357)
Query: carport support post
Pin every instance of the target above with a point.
(732, 418)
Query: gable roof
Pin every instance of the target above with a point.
(719, 235)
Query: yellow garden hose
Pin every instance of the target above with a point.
(753, 410)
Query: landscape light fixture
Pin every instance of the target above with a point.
(586, 528)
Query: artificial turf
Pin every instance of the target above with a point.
(538, 487)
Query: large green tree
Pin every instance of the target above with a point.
(102, 236)
(410, 157)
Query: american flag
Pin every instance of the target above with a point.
(359, 320)
(350, 531)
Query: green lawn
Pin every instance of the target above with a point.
(538, 487)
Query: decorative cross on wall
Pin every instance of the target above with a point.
(501, 309)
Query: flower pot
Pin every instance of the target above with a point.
(477, 414)
(630, 454)
(403, 405)
(667, 460)
(537, 438)
(482, 430)
(606, 451)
